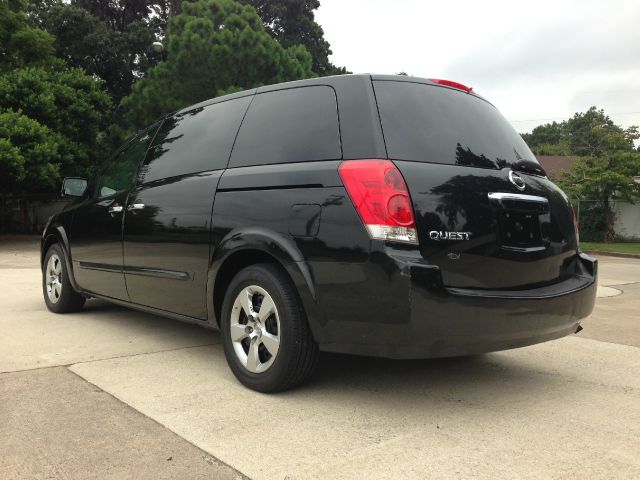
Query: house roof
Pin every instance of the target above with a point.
(556, 164)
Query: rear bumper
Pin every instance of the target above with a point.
(445, 322)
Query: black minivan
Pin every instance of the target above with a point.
(377, 215)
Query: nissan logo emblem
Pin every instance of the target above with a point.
(517, 180)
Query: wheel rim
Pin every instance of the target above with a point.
(255, 329)
(53, 278)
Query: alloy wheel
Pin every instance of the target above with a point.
(53, 278)
(255, 329)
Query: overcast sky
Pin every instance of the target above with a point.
(537, 61)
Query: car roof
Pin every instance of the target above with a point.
(330, 80)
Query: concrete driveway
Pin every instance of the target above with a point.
(113, 393)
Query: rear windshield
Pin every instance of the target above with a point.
(427, 123)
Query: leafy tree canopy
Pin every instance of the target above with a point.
(30, 155)
(110, 40)
(54, 116)
(21, 44)
(65, 107)
(604, 179)
(50, 116)
(213, 47)
(292, 22)
(607, 163)
(591, 133)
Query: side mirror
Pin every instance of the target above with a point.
(74, 187)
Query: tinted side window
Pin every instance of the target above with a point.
(119, 172)
(195, 141)
(434, 124)
(285, 126)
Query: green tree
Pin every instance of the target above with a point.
(607, 161)
(110, 40)
(67, 104)
(545, 135)
(292, 22)
(30, 156)
(604, 179)
(213, 47)
(21, 44)
(591, 133)
(50, 116)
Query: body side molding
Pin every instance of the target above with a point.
(131, 270)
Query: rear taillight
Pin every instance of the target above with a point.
(575, 225)
(381, 198)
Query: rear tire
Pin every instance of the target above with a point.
(266, 337)
(59, 295)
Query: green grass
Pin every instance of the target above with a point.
(611, 247)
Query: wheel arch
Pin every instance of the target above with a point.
(242, 248)
(57, 234)
(47, 241)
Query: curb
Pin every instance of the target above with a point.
(596, 253)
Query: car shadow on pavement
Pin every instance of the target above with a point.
(511, 373)
(494, 378)
(101, 310)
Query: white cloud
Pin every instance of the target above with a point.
(536, 61)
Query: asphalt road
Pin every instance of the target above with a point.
(113, 393)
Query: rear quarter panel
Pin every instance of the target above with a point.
(348, 283)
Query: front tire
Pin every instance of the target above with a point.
(267, 340)
(59, 295)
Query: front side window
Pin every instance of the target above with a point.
(120, 172)
(195, 141)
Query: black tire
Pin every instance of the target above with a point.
(68, 299)
(297, 354)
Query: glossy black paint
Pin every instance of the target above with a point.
(96, 243)
(168, 243)
(332, 258)
(440, 324)
(455, 198)
(175, 255)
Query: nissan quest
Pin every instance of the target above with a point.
(376, 215)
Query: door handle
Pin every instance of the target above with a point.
(115, 209)
(516, 197)
(135, 206)
(518, 201)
